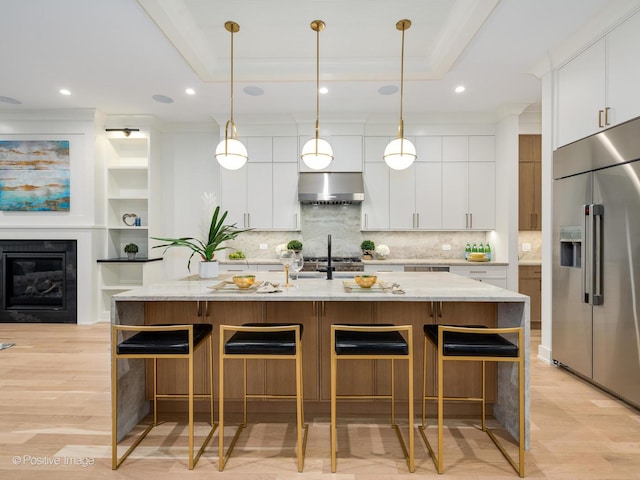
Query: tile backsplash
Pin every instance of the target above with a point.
(344, 223)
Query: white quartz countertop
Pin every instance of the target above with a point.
(388, 261)
(435, 286)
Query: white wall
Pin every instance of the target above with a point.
(87, 190)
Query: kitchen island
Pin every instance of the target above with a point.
(437, 297)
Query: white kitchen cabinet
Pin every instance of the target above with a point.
(493, 274)
(581, 95)
(259, 149)
(468, 183)
(347, 153)
(261, 196)
(415, 197)
(598, 88)
(375, 207)
(285, 150)
(237, 267)
(468, 195)
(378, 268)
(286, 207)
(374, 149)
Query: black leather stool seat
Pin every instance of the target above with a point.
(161, 343)
(263, 343)
(472, 344)
(370, 343)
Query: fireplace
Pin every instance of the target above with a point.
(38, 281)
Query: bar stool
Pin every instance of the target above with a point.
(372, 342)
(473, 343)
(270, 341)
(156, 342)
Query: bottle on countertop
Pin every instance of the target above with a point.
(487, 251)
(481, 248)
(467, 251)
(474, 248)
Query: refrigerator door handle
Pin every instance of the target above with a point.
(597, 289)
(585, 253)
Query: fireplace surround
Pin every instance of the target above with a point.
(38, 281)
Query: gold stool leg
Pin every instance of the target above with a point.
(334, 370)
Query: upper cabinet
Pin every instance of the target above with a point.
(530, 182)
(263, 195)
(347, 154)
(598, 88)
(468, 183)
(451, 185)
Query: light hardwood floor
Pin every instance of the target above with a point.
(55, 423)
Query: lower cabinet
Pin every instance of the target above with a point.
(358, 377)
(493, 274)
(530, 284)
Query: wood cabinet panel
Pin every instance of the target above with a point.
(530, 284)
(530, 183)
(358, 377)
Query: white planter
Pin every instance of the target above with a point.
(208, 269)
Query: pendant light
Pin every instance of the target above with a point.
(400, 153)
(230, 152)
(317, 153)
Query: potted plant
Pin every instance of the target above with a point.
(367, 247)
(207, 247)
(294, 245)
(131, 249)
(382, 251)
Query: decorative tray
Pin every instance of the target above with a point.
(350, 286)
(229, 286)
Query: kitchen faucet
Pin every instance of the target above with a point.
(329, 267)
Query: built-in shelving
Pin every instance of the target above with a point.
(128, 188)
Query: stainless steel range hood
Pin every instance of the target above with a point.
(330, 188)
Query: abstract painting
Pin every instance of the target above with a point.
(34, 175)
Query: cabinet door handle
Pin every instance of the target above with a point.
(600, 112)
(606, 115)
(466, 220)
(417, 220)
(248, 220)
(295, 220)
(366, 220)
(471, 220)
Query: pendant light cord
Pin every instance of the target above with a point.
(401, 126)
(317, 86)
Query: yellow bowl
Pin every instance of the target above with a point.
(366, 281)
(244, 281)
(477, 255)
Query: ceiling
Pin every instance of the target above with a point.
(116, 55)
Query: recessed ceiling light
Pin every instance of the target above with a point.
(64, 91)
(323, 90)
(162, 98)
(253, 91)
(460, 89)
(10, 100)
(388, 90)
(190, 91)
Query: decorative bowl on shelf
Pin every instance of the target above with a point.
(244, 281)
(366, 281)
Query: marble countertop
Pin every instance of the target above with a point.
(435, 286)
(530, 262)
(388, 261)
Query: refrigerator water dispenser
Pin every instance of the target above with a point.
(571, 246)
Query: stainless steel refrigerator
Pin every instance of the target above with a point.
(596, 259)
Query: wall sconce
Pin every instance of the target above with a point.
(125, 131)
(400, 153)
(230, 152)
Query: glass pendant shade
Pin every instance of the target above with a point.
(317, 154)
(231, 154)
(399, 154)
